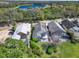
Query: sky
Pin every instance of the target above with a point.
(40, 0)
(53, 0)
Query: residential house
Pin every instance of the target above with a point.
(76, 22)
(71, 19)
(22, 32)
(70, 25)
(40, 32)
(57, 33)
(59, 20)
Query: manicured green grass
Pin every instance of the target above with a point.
(69, 50)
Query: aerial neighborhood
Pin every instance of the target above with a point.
(39, 29)
(46, 31)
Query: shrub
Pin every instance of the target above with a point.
(51, 49)
(33, 45)
(35, 39)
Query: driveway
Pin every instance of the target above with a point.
(4, 33)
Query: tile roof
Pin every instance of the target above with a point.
(39, 28)
(40, 31)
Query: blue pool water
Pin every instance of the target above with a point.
(31, 6)
(23, 7)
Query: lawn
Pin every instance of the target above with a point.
(69, 50)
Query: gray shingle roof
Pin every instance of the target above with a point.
(68, 24)
(56, 32)
(54, 28)
(76, 23)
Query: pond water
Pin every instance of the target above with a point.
(31, 6)
(24, 7)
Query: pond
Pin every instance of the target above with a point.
(32, 6)
(23, 7)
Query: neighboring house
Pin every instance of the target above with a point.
(70, 25)
(59, 20)
(22, 32)
(76, 22)
(71, 19)
(56, 32)
(40, 32)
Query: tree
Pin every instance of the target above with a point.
(71, 36)
(37, 49)
(13, 49)
(51, 49)
(14, 43)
